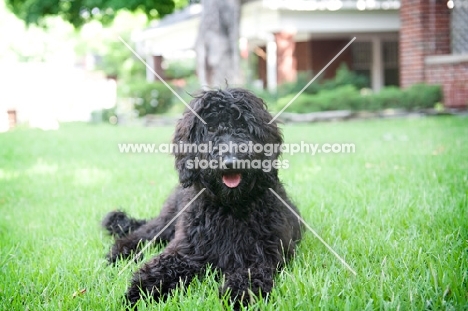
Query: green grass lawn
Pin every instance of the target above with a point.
(396, 210)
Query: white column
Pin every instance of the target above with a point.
(271, 66)
(377, 69)
(150, 61)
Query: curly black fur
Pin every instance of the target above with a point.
(243, 231)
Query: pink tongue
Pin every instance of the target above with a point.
(232, 180)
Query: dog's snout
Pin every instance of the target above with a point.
(229, 161)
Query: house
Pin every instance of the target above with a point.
(44, 94)
(434, 46)
(397, 42)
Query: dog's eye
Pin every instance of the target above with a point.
(211, 129)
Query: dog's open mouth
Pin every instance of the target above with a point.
(232, 180)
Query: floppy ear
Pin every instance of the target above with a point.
(185, 134)
(260, 118)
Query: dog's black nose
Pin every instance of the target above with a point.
(229, 162)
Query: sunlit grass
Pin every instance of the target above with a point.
(396, 210)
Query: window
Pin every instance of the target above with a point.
(390, 60)
(459, 27)
(362, 59)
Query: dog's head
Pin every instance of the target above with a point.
(232, 154)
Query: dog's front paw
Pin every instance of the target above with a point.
(244, 285)
(116, 254)
(144, 285)
(136, 292)
(160, 276)
(122, 249)
(119, 224)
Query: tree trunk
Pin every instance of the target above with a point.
(217, 43)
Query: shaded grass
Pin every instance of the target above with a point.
(396, 210)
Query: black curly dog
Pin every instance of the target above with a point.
(237, 225)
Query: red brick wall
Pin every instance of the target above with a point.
(286, 62)
(441, 25)
(454, 81)
(425, 30)
(322, 51)
(411, 42)
(262, 66)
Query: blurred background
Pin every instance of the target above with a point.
(63, 61)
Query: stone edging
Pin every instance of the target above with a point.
(341, 115)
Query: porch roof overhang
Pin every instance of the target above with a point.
(261, 19)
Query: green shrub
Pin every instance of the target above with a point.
(107, 114)
(347, 97)
(342, 98)
(148, 97)
(420, 96)
(302, 104)
(344, 76)
(388, 97)
(295, 87)
(179, 68)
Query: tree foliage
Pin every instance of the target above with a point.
(103, 46)
(79, 12)
(34, 44)
(217, 50)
